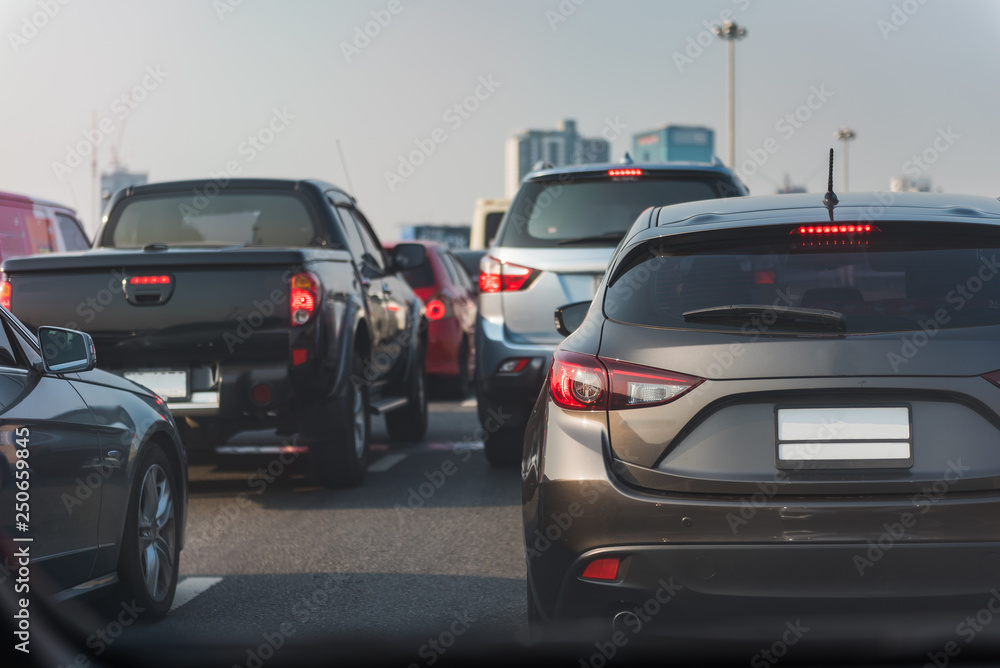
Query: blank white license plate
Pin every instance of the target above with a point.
(866, 437)
(167, 384)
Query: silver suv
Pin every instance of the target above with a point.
(552, 248)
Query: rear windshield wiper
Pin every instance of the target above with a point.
(787, 314)
(606, 238)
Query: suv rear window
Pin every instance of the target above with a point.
(230, 218)
(546, 213)
(903, 277)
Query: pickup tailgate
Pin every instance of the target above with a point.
(218, 306)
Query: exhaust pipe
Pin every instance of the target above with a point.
(625, 620)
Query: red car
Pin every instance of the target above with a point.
(450, 303)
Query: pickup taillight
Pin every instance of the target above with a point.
(304, 297)
(5, 293)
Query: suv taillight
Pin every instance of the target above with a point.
(498, 276)
(304, 297)
(585, 382)
(5, 294)
(438, 307)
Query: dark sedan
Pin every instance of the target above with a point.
(93, 476)
(777, 413)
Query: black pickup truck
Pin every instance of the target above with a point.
(252, 304)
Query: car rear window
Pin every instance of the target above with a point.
(420, 277)
(899, 277)
(229, 218)
(545, 213)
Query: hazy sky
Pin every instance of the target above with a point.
(197, 79)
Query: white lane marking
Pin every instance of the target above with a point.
(190, 587)
(386, 463)
(469, 403)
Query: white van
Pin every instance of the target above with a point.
(486, 219)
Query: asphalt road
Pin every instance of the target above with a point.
(428, 548)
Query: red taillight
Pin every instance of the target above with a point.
(497, 276)
(5, 294)
(437, 308)
(585, 382)
(578, 381)
(812, 230)
(304, 297)
(602, 569)
(149, 280)
(632, 171)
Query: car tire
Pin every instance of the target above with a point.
(504, 446)
(148, 562)
(458, 387)
(409, 423)
(338, 461)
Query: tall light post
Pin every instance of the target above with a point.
(845, 135)
(730, 32)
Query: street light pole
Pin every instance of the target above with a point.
(845, 135)
(730, 32)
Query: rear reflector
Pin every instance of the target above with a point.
(262, 394)
(299, 356)
(602, 569)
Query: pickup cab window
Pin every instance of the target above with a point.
(275, 219)
(72, 235)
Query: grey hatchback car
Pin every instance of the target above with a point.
(777, 413)
(553, 247)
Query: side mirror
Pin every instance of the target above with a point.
(66, 350)
(570, 317)
(408, 256)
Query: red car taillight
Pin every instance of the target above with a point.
(438, 307)
(585, 382)
(304, 297)
(497, 276)
(5, 294)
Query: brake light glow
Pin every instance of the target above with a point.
(438, 307)
(631, 171)
(497, 276)
(304, 297)
(149, 280)
(5, 294)
(808, 230)
(602, 569)
(584, 382)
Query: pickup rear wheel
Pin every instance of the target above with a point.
(340, 458)
(409, 423)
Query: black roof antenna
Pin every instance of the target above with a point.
(830, 199)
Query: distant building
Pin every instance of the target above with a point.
(562, 146)
(672, 143)
(788, 188)
(453, 236)
(904, 184)
(118, 179)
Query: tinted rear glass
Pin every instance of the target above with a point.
(900, 278)
(420, 277)
(548, 212)
(230, 218)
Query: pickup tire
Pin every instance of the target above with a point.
(339, 457)
(149, 552)
(409, 423)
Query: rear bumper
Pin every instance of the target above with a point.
(660, 587)
(444, 338)
(492, 349)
